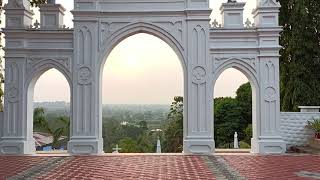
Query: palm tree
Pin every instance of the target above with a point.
(39, 120)
(42, 124)
(64, 129)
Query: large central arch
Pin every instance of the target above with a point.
(143, 27)
(148, 28)
(136, 28)
(186, 32)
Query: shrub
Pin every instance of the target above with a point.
(244, 145)
(314, 125)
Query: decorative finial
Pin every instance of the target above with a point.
(51, 1)
(36, 24)
(215, 24)
(248, 23)
(232, 1)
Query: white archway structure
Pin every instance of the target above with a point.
(99, 25)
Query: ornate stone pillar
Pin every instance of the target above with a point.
(268, 138)
(86, 128)
(17, 132)
(17, 135)
(51, 15)
(18, 14)
(232, 15)
(198, 137)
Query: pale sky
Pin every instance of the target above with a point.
(142, 69)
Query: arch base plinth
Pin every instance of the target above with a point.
(17, 147)
(199, 146)
(268, 145)
(85, 146)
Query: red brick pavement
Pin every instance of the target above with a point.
(274, 167)
(132, 167)
(12, 165)
(162, 167)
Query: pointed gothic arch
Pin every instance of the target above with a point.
(35, 70)
(246, 68)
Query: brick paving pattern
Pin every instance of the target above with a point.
(276, 167)
(132, 167)
(37, 170)
(161, 167)
(12, 165)
(221, 169)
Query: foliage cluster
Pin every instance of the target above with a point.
(314, 125)
(57, 129)
(300, 55)
(233, 115)
(173, 130)
(131, 137)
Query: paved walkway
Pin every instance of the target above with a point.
(161, 167)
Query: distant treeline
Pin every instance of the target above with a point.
(154, 114)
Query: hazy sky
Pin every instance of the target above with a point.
(142, 69)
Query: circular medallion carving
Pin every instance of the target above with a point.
(199, 74)
(270, 94)
(13, 94)
(84, 75)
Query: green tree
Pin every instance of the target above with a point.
(173, 131)
(143, 125)
(58, 132)
(146, 143)
(233, 115)
(133, 131)
(42, 124)
(64, 123)
(244, 98)
(39, 119)
(115, 133)
(300, 55)
(248, 134)
(128, 145)
(228, 119)
(110, 133)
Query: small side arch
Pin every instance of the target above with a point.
(251, 74)
(34, 72)
(240, 65)
(36, 69)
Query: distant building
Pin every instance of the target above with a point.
(124, 123)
